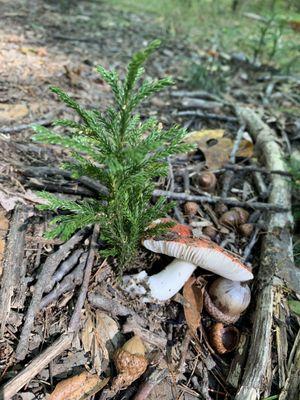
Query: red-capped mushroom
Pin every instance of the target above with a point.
(189, 253)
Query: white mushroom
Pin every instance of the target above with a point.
(189, 253)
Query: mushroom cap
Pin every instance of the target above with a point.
(203, 253)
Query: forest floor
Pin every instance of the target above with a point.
(43, 44)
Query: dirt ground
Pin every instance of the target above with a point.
(45, 43)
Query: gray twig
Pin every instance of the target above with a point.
(48, 269)
(215, 199)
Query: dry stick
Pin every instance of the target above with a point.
(253, 168)
(229, 174)
(48, 269)
(276, 253)
(199, 114)
(114, 308)
(12, 263)
(154, 379)
(215, 199)
(63, 269)
(40, 362)
(292, 384)
(22, 127)
(68, 283)
(8, 390)
(75, 320)
(195, 94)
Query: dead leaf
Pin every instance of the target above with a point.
(193, 295)
(12, 112)
(217, 148)
(101, 337)
(78, 387)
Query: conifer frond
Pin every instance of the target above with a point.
(118, 150)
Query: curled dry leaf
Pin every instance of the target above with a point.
(78, 387)
(12, 112)
(193, 295)
(101, 337)
(217, 148)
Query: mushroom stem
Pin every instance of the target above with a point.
(161, 286)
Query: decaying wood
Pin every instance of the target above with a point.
(64, 342)
(65, 267)
(68, 283)
(22, 127)
(34, 367)
(157, 376)
(75, 320)
(291, 388)
(48, 269)
(200, 103)
(215, 117)
(114, 308)
(276, 253)
(227, 178)
(255, 205)
(238, 362)
(12, 263)
(147, 336)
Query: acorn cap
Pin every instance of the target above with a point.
(224, 339)
(216, 313)
(203, 253)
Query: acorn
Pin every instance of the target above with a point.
(234, 217)
(246, 229)
(210, 231)
(221, 208)
(226, 300)
(224, 339)
(191, 208)
(130, 362)
(207, 181)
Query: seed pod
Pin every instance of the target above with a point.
(243, 214)
(130, 362)
(207, 181)
(224, 339)
(226, 300)
(190, 208)
(236, 216)
(221, 208)
(246, 229)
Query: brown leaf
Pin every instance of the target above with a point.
(217, 148)
(78, 387)
(193, 295)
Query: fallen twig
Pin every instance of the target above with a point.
(22, 127)
(229, 173)
(216, 117)
(48, 269)
(41, 361)
(114, 307)
(215, 199)
(75, 320)
(252, 168)
(154, 379)
(276, 253)
(12, 263)
(68, 283)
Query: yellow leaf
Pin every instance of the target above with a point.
(217, 148)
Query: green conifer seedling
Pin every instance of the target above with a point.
(122, 152)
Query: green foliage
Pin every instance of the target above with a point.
(208, 76)
(122, 152)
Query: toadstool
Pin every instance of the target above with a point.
(189, 253)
